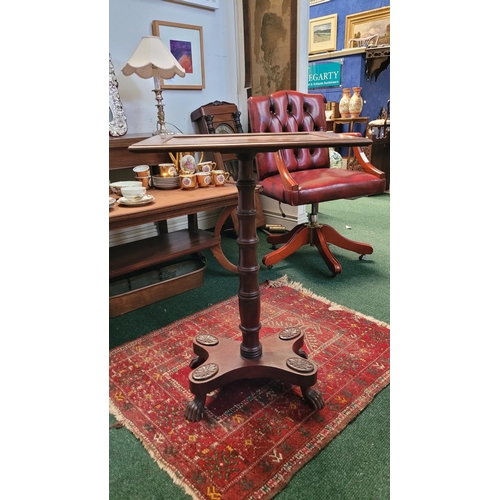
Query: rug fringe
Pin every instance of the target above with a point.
(283, 281)
(113, 410)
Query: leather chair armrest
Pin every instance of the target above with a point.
(285, 175)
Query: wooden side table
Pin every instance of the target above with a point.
(219, 361)
(337, 124)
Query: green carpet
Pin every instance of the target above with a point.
(356, 464)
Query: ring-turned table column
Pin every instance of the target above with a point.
(219, 361)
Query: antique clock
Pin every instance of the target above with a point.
(221, 117)
(218, 117)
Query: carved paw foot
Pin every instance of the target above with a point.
(313, 398)
(195, 362)
(302, 353)
(194, 409)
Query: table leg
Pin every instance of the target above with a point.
(248, 268)
(219, 361)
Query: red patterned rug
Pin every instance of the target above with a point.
(256, 434)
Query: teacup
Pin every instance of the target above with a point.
(188, 181)
(219, 177)
(142, 171)
(133, 193)
(145, 181)
(206, 166)
(116, 187)
(167, 169)
(203, 179)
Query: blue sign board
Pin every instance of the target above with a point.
(324, 74)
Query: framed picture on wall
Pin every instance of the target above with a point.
(323, 34)
(186, 44)
(371, 23)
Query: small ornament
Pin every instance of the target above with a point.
(355, 103)
(344, 103)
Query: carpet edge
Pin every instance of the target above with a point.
(113, 410)
(367, 398)
(283, 281)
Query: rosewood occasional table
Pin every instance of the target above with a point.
(219, 361)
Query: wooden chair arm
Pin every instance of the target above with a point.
(365, 163)
(363, 160)
(285, 175)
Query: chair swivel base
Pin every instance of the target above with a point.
(315, 234)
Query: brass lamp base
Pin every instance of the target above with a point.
(160, 124)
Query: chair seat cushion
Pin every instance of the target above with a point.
(322, 184)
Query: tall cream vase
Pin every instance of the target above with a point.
(344, 103)
(355, 103)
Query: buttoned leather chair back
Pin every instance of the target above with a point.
(289, 111)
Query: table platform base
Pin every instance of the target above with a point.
(218, 361)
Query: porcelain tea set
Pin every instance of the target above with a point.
(184, 172)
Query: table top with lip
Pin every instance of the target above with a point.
(251, 142)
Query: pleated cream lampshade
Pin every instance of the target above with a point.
(153, 59)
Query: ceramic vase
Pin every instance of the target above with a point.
(355, 103)
(344, 103)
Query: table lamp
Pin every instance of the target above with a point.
(152, 58)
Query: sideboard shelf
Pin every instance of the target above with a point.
(131, 257)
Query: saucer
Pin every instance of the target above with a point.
(147, 198)
(111, 202)
(166, 182)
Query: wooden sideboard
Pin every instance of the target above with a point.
(129, 259)
(121, 157)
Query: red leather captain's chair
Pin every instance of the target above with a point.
(304, 177)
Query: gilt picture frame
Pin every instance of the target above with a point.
(370, 22)
(186, 44)
(323, 34)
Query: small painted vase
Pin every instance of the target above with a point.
(355, 103)
(344, 103)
